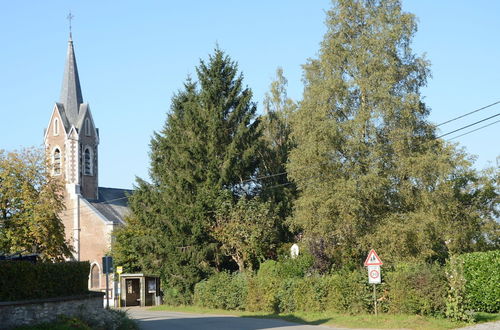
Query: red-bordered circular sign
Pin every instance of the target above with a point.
(374, 274)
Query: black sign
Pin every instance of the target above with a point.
(107, 264)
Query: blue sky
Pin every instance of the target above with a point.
(134, 55)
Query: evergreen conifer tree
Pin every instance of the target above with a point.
(206, 148)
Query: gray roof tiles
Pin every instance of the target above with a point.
(81, 115)
(71, 92)
(112, 203)
(64, 118)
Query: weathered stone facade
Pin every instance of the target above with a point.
(17, 313)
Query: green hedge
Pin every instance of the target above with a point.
(281, 287)
(22, 280)
(408, 288)
(469, 283)
(416, 288)
(343, 292)
(481, 272)
(222, 290)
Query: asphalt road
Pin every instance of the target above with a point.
(153, 320)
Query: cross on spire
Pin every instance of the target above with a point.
(70, 18)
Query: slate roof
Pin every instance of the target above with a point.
(71, 92)
(64, 118)
(112, 203)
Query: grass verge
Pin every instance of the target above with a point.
(382, 321)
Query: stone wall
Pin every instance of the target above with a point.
(16, 313)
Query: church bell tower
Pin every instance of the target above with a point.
(71, 138)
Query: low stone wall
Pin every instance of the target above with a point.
(16, 313)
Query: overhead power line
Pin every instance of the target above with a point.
(443, 135)
(467, 126)
(289, 183)
(477, 129)
(263, 177)
(468, 113)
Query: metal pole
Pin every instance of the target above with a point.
(119, 291)
(375, 297)
(107, 290)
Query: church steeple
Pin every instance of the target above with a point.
(71, 93)
(72, 138)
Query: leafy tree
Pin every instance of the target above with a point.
(30, 201)
(207, 146)
(247, 231)
(368, 165)
(135, 244)
(274, 153)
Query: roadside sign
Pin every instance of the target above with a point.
(373, 262)
(374, 274)
(107, 264)
(119, 270)
(373, 259)
(107, 268)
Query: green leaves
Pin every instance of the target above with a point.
(246, 230)
(23, 280)
(31, 201)
(367, 164)
(480, 280)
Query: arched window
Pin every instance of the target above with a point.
(56, 126)
(87, 127)
(95, 276)
(87, 161)
(56, 161)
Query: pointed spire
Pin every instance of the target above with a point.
(71, 93)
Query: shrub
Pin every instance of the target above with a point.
(21, 280)
(481, 278)
(349, 292)
(222, 290)
(311, 293)
(282, 287)
(419, 288)
(287, 295)
(298, 267)
(344, 291)
(263, 288)
(455, 306)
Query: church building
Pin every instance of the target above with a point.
(71, 140)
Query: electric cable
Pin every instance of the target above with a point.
(477, 129)
(467, 126)
(468, 113)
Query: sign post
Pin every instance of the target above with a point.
(373, 263)
(107, 265)
(119, 271)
